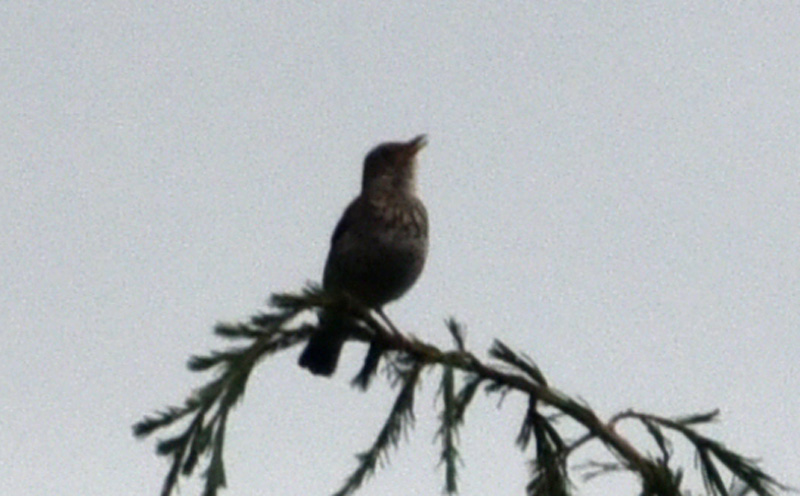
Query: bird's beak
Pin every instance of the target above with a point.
(417, 144)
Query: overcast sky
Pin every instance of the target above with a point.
(612, 189)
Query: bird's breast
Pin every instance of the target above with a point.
(381, 251)
(399, 218)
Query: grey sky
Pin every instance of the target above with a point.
(612, 189)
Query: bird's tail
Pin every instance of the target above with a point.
(322, 351)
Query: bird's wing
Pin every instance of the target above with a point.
(341, 242)
(346, 222)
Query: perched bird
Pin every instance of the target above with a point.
(377, 250)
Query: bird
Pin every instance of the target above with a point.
(378, 248)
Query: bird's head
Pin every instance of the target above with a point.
(391, 166)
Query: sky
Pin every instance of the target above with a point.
(612, 189)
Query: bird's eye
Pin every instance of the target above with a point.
(376, 156)
(381, 157)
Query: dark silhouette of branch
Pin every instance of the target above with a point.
(463, 374)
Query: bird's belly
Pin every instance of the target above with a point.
(378, 271)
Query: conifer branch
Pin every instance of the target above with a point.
(463, 373)
(448, 432)
(400, 420)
